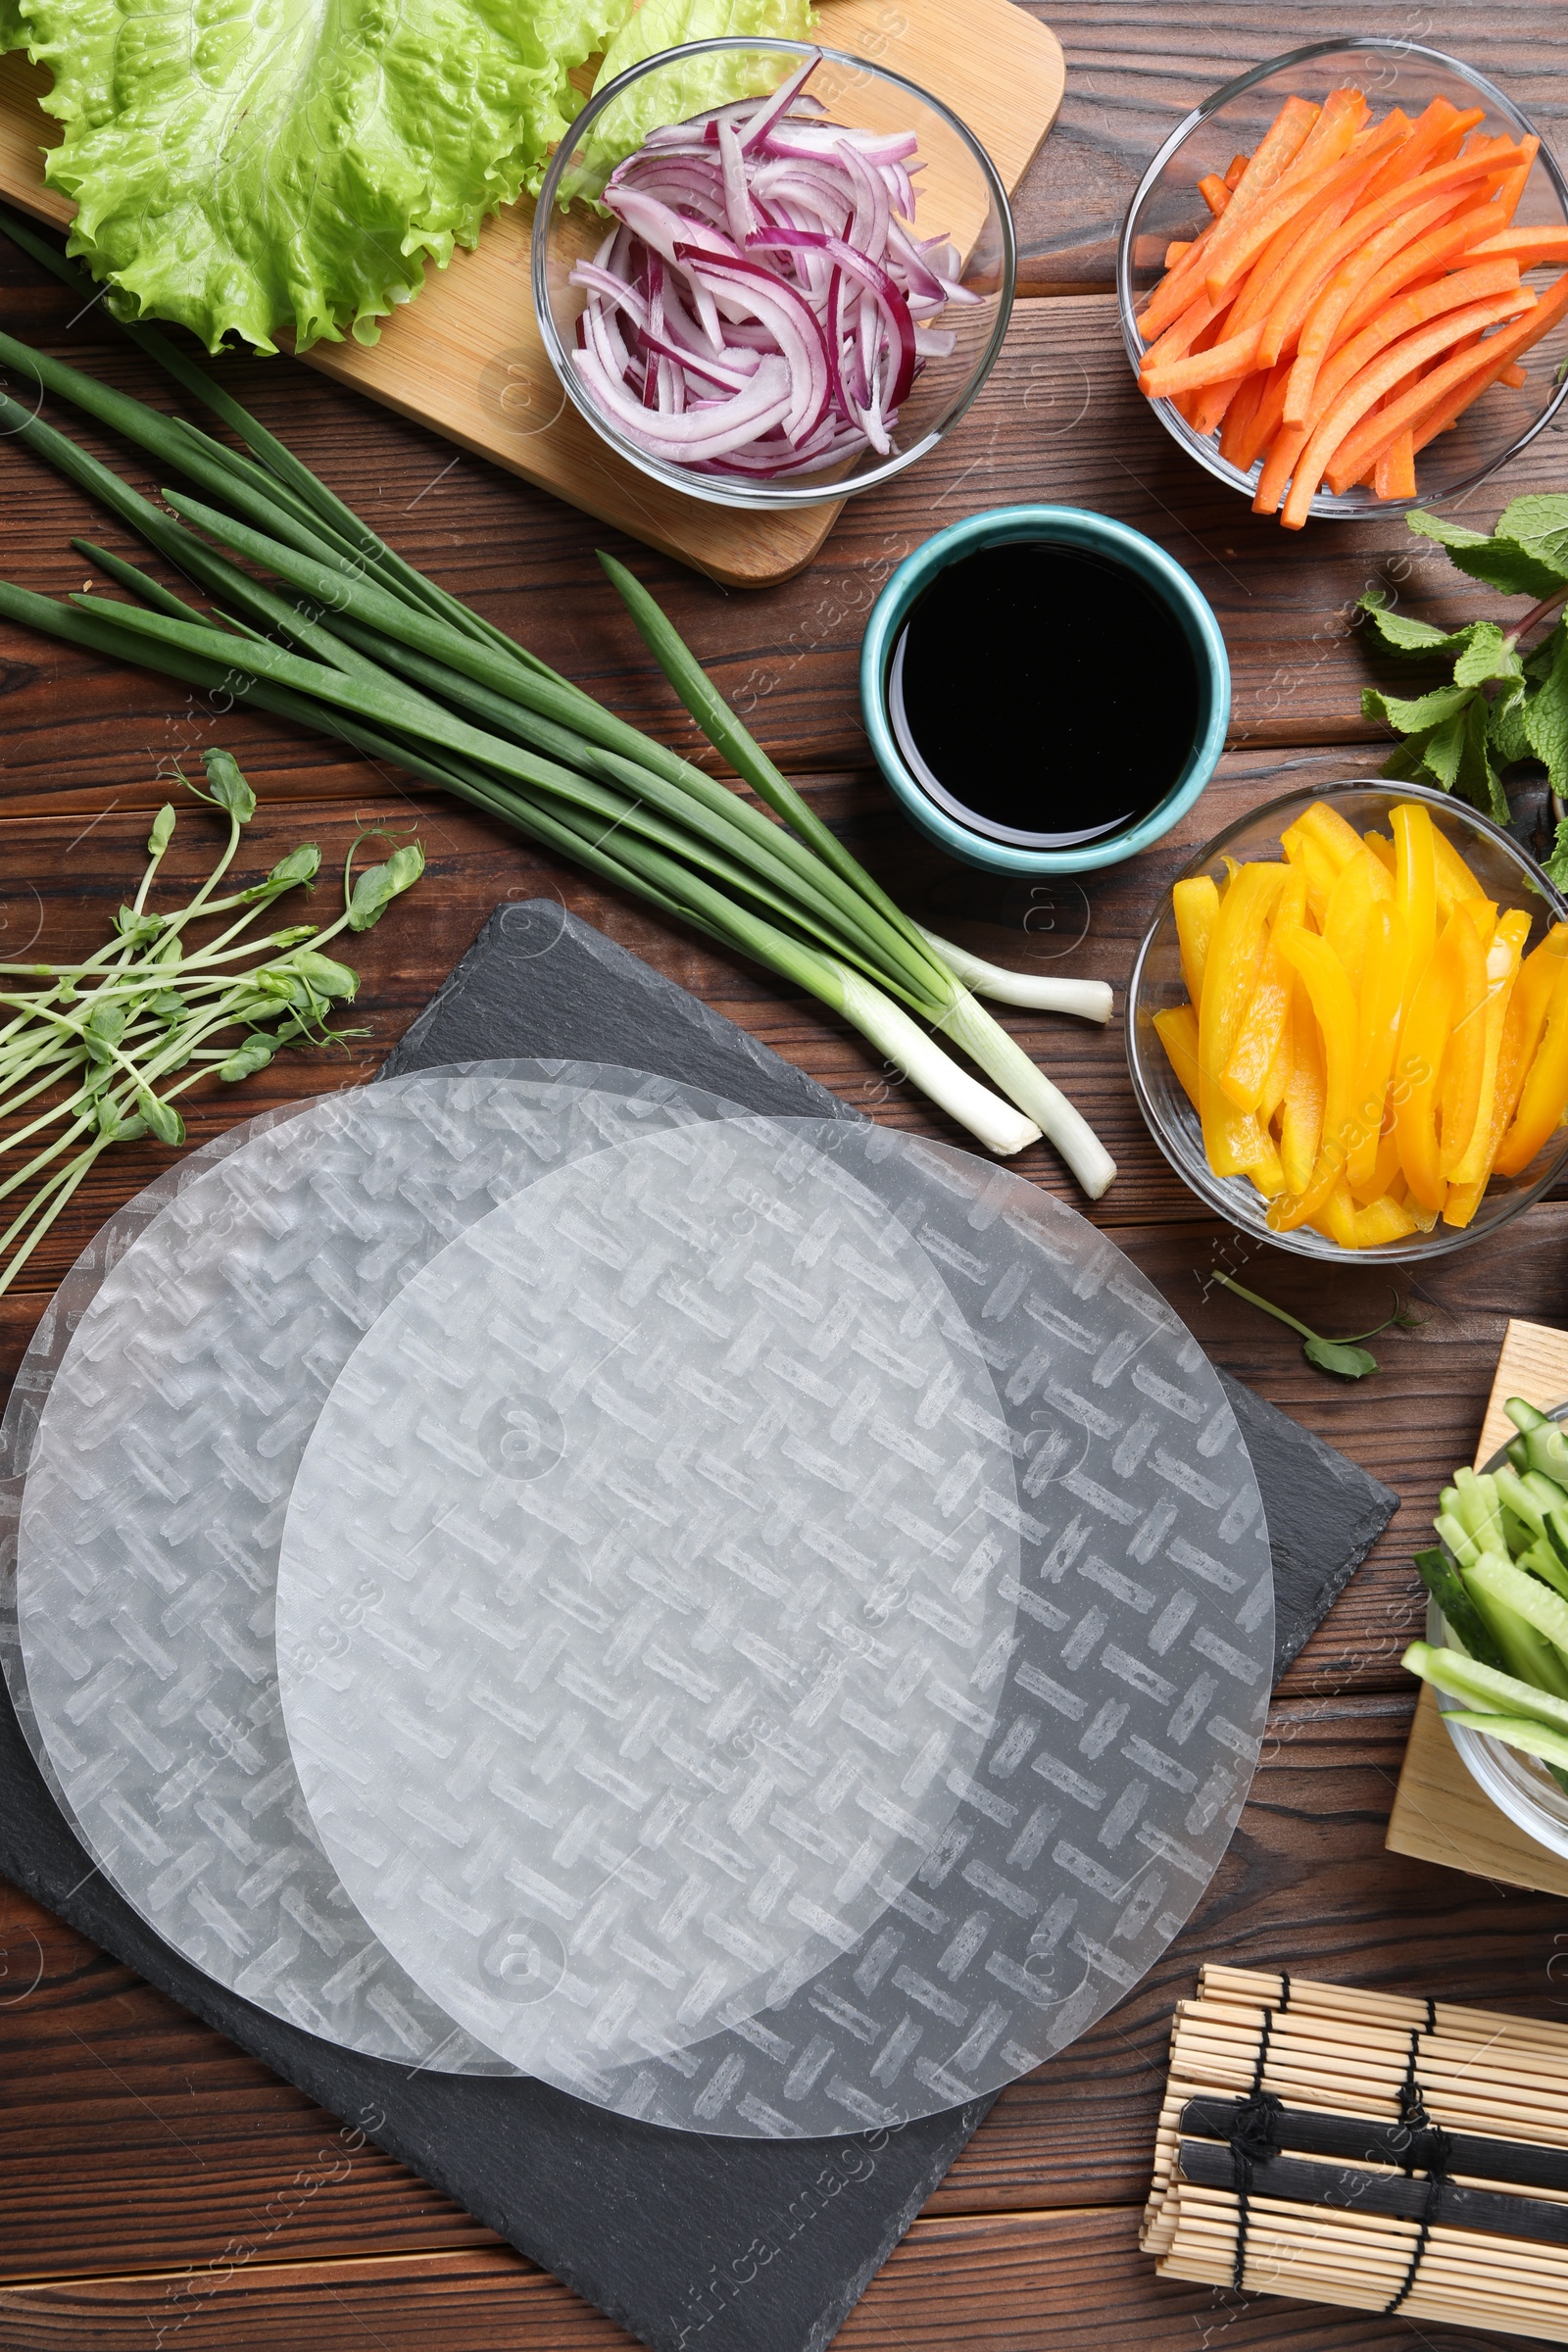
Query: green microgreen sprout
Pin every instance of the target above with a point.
(1348, 1357)
(109, 1043)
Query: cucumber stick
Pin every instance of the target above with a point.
(1535, 1738)
(1483, 1686)
(1527, 1622)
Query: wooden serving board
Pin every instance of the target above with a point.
(1439, 1813)
(465, 356)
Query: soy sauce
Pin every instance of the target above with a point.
(1041, 696)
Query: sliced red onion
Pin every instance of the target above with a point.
(762, 305)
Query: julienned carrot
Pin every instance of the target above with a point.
(1236, 244)
(1436, 134)
(1396, 468)
(1314, 250)
(1526, 246)
(1357, 290)
(1401, 317)
(1233, 356)
(1215, 194)
(1373, 381)
(1499, 356)
(1442, 397)
(1279, 143)
(1452, 239)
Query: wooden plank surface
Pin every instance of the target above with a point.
(467, 355)
(138, 2152)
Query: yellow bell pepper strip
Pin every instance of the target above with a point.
(1380, 846)
(1473, 1164)
(1177, 1027)
(1233, 1140)
(1265, 1173)
(1361, 886)
(1453, 879)
(1415, 884)
(1279, 1075)
(1543, 1096)
(1268, 1008)
(1310, 857)
(1197, 908)
(1527, 1008)
(1384, 1174)
(1464, 1064)
(1371, 1160)
(1333, 1000)
(1383, 1220)
(1424, 1035)
(1339, 842)
(1301, 1112)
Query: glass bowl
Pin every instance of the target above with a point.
(959, 193)
(1167, 206)
(1517, 1784)
(1505, 874)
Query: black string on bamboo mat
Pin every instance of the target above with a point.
(1255, 2138)
(1427, 2150)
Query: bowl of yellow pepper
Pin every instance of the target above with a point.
(1348, 1025)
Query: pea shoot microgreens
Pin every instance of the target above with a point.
(109, 1043)
(1348, 1357)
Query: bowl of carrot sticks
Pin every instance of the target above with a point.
(1344, 281)
(1348, 1025)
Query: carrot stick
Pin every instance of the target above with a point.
(1286, 136)
(1412, 310)
(1497, 356)
(1215, 194)
(1231, 357)
(1403, 237)
(1513, 376)
(1175, 250)
(1278, 468)
(1436, 137)
(1239, 418)
(1314, 250)
(1259, 430)
(1396, 468)
(1238, 242)
(1211, 404)
(1374, 380)
(1526, 246)
(1512, 186)
(1439, 249)
(1183, 332)
(1234, 169)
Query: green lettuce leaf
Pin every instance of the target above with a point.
(691, 90)
(247, 170)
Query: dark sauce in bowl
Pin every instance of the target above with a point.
(1041, 696)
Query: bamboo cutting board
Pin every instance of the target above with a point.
(1440, 1814)
(465, 358)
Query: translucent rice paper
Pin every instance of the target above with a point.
(159, 1416)
(775, 1625)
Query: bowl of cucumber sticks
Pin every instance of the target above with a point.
(1496, 1652)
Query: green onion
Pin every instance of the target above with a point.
(353, 640)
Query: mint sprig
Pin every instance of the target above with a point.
(1504, 703)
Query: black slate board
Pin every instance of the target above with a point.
(693, 2244)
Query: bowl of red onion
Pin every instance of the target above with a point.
(780, 299)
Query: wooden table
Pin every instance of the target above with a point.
(155, 2183)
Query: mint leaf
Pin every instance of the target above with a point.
(1512, 570)
(1406, 716)
(1545, 719)
(1332, 1356)
(1555, 868)
(1539, 524)
(1488, 655)
(1403, 635)
(1506, 739)
(1445, 748)
(1477, 780)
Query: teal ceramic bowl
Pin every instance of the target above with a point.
(1113, 542)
